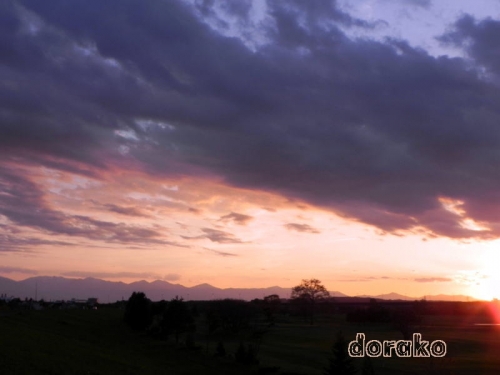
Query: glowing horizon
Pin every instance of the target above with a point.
(253, 145)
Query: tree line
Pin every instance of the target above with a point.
(225, 318)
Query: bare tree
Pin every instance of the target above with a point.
(309, 293)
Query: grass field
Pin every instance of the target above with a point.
(470, 350)
(91, 342)
(98, 342)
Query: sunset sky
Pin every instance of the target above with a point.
(253, 143)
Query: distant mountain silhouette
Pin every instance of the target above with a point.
(394, 296)
(437, 297)
(61, 288)
(58, 288)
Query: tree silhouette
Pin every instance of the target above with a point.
(271, 307)
(233, 315)
(137, 311)
(177, 318)
(309, 293)
(340, 363)
(212, 322)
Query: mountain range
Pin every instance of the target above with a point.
(61, 288)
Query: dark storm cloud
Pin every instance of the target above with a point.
(22, 202)
(294, 17)
(301, 228)
(374, 131)
(480, 38)
(240, 219)
(417, 3)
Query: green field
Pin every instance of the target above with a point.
(91, 342)
(98, 342)
(304, 348)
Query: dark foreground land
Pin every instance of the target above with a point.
(86, 342)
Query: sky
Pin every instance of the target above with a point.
(253, 143)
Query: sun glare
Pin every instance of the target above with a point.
(486, 289)
(487, 286)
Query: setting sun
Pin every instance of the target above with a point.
(487, 282)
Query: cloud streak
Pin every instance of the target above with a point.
(301, 228)
(9, 270)
(216, 235)
(122, 275)
(416, 279)
(240, 219)
(125, 210)
(433, 279)
(23, 203)
(221, 253)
